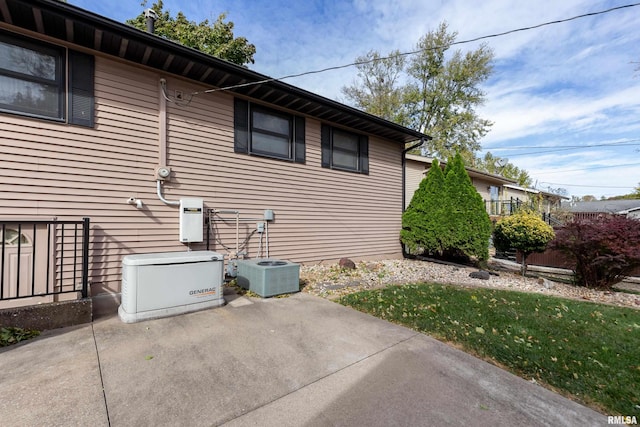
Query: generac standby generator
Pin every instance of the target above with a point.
(169, 283)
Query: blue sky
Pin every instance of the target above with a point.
(553, 88)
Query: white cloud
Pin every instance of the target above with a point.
(569, 82)
(518, 115)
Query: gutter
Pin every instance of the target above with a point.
(97, 22)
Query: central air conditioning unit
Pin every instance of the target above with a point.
(169, 283)
(269, 277)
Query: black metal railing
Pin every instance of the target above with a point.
(43, 257)
(551, 220)
(503, 207)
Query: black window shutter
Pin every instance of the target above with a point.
(325, 142)
(241, 126)
(364, 155)
(81, 96)
(299, 139)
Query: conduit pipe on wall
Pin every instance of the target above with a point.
(162, 199)
(162, 144)
(266, 237)
(215, 214)
(162, 126)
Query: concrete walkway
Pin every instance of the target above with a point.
(297, 361)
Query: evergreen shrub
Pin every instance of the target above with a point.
(447, 217)
(524, 231)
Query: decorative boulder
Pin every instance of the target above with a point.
(483, 275)
(347, 264)
(546, 283)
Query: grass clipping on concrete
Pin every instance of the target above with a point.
(10, 335)
(585, 350)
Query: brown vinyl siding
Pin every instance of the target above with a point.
(415, 173)
(321, 214)
(56, 170)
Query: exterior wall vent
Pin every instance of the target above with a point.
(151, 18)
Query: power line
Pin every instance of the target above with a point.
(534, 147)
(591, 168)
(586, 186)
(352, 64)
(569, 148)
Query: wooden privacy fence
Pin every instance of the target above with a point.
(556, 259)
(548, 258)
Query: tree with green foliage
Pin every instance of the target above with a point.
(214, 38)
(443, 94)
(501, 166)
(379, 92)
(524, 231)
(423, 221)
(439, 94)
(630, 196)
(467, 221)
(447, 216)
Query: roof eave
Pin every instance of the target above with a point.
(110, 37)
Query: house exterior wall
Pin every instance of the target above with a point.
(514, 198)
(482, 187)
(547, 202)
(56, 170)
(516, 194)
(415, 172)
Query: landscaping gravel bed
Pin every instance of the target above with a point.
(331, 281)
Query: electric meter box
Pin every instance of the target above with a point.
(191, 220)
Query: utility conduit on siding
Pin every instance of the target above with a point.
(162, 199)
(162, 127)
(162, 142)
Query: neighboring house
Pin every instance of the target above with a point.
(626, 207)
(544, 201)
(95, 113)
(502, 195)
(490, 186)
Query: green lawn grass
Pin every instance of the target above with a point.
(585, 350)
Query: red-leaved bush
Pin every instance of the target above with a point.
(605, 250)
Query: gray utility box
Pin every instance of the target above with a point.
(269, 277)
(169, 283)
